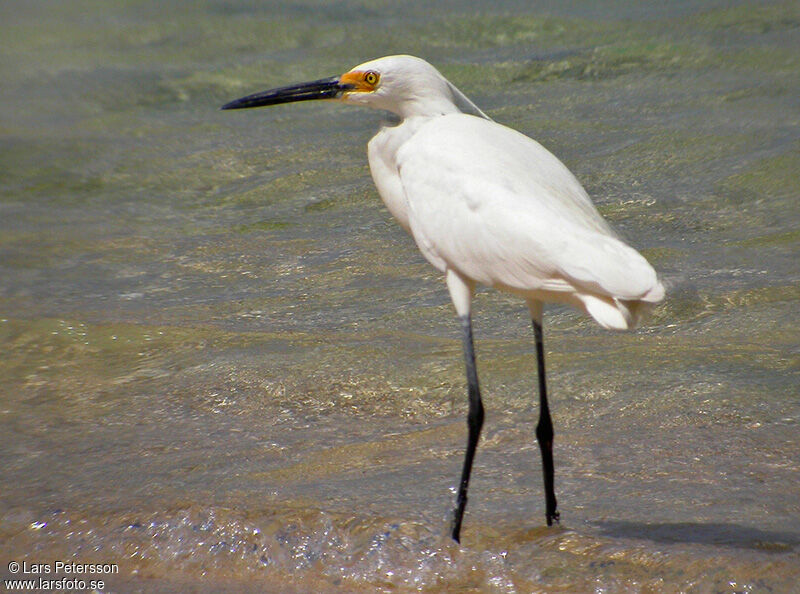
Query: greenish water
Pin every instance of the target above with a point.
(226, 368)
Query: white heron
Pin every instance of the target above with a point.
(486, 205)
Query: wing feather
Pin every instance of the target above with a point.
(499, 208)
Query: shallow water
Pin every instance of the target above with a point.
(226, 368)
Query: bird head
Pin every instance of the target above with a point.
(404, 85)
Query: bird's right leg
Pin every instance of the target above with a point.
(544, 429)
(461, 293)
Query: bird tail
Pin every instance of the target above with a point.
(620, 314)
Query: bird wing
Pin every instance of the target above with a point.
(499, 208)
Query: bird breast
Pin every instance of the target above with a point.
(382, 155)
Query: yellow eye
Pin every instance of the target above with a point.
(371, 78)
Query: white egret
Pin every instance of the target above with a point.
(486, 204)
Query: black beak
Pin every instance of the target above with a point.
(326, 88)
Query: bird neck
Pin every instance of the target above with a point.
(426, 107)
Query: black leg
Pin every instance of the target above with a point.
(544, 430)
(474, 423)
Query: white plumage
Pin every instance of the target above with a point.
(486, 204)
(493, 206)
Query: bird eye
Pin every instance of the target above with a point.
(371, 77)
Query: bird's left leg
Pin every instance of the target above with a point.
(461, 294)
(544, 429)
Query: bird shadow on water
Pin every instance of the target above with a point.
(714, 533)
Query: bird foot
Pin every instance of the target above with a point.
(554, 517)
